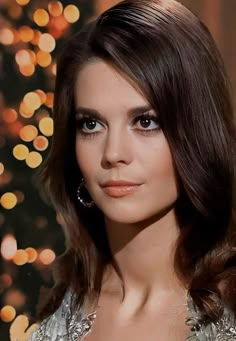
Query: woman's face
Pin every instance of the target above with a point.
(118, 138)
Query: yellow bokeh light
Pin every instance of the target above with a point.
(44, 58)
(71, 13)
(8, 200)
(40, 143)
(54, 69)
(46, 126)
(2, 168)
(50, 99)
(20, 151)
(28, 133)
(32, 254)
(26, 33)
(46, 42)
(41, 17)
(32, 100)
(41, 95)
(27, 70)
(20, 257)
(8, 247)
(9, 115)
(8, 313)
(22, 2)
(47, 256)
(55, 8)
(25, 111)
(6, 36)
(33, 159)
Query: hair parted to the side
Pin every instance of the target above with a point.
(170, 56)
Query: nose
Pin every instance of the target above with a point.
(117, 148)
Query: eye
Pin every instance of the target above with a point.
(88, 125)
(147, 122)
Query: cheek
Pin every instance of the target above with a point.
(86, 158)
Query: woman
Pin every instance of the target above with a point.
(142, 167)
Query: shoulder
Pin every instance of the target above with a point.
(223, 329)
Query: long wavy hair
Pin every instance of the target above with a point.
(169, 54)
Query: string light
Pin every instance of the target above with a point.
(47, 42)
(40, 143)
(28, 133)
(9, 115)
(6, 36)
(46, 126)
(44, 58)
(55, 8)
(8, 247)
(20, 151)
(47, 256)
(20, 257)
(41, 17)
(33, 159)
(32, 254)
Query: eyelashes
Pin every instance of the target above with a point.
(89, 126)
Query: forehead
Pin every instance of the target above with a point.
(99, 85)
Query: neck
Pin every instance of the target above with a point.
(144, 253)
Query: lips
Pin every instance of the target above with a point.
(119, 188)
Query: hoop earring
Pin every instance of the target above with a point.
(79, 196)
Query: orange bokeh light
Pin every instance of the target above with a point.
(26, 33)
(28, 133)
(8, 313)
(32, 254)
(42, 95)
(37, 35)
(9, 115)
(2, 168)
(47, 256)
(6, 36)
(25, 111)
(20, 151)
(55, 8)
(8, 247)
(20, 257)
(6, 280)
(46, 126)
(40, 143)
(27, 70)
(14, 10)
(46, 42)
(33, 159)
(8, 200)
(71, 13)
(22, 2)
(41, 17)
(50, 99)
(44, 58)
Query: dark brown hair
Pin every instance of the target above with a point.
(171, 57)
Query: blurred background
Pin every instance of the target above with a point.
(32, 33)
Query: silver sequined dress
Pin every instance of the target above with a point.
(68, 325)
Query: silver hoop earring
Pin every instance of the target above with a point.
(79, 195)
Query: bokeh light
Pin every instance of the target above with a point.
(2, 168)
(15, 298)
(26, 111)
(49, 100)
(8, 313)
(55, 8)
(40, 143)
(71, 13)
(44, 58)
(33, 159)
(5, 281)
(42, 95)
(20, 257)
(20, 151)
(27, 70)
(6, 36)
(26, 33)
(8, 200)
(28, 133)
(23, 2)
(32, 100)
(9, 115)
(41, 17)
(47, 256)
(46, 126)
(47, 42)
(32, 254)
(8, 247)
(14, 10)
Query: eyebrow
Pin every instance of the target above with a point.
(96, 114)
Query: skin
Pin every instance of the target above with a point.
(141, 227)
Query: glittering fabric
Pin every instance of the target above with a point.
(68, 325)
